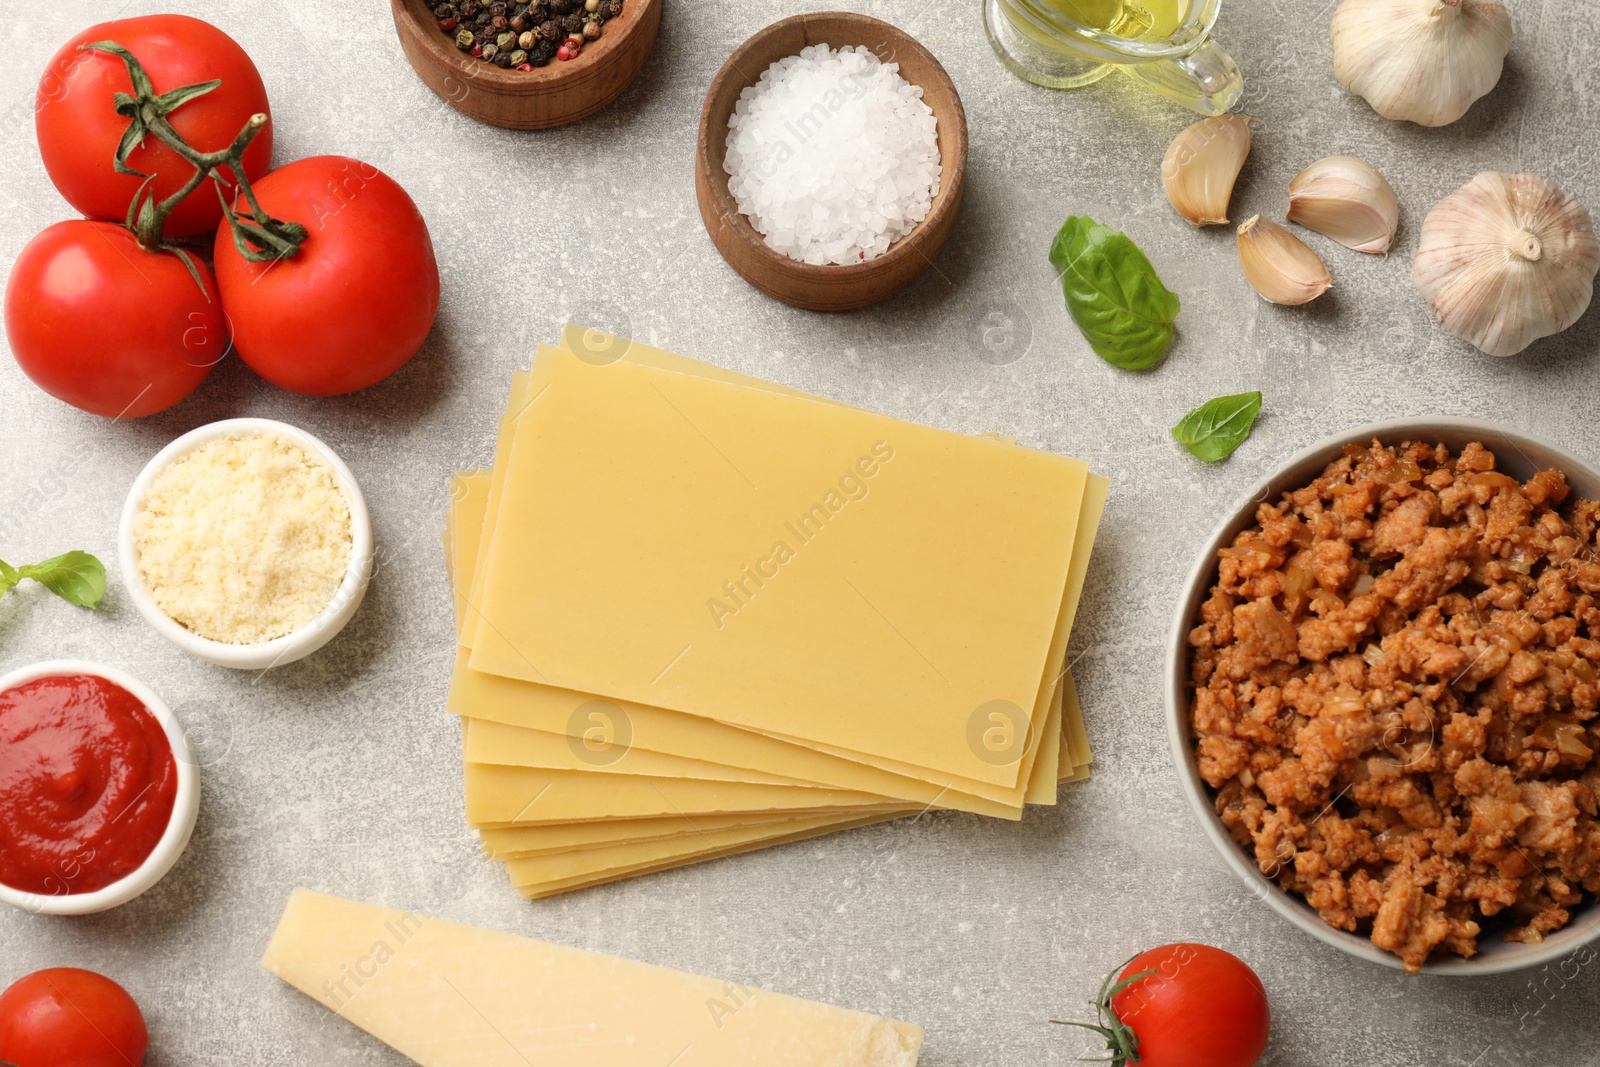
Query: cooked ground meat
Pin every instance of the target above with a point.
(1395, 690)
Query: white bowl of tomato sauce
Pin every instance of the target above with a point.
(99, 789)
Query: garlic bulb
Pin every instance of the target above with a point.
(1424, 61)
(1280, 266)
(1202, 164)
(1506, 260)
(1345, 199)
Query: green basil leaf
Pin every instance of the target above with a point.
(1114, 294)
(1214, 429)
(76, 577)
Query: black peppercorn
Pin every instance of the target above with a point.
(612, 8)
(519, 33)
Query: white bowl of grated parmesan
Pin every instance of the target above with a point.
(247, 543)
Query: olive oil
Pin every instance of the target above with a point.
(1130, 19)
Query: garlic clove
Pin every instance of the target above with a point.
(1346, 199)
(1506, 260)
(1423, 61)
(1280, 266)
(1202, 165)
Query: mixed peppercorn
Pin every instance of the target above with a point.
(511, 34)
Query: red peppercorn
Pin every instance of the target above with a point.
(477, 50)
(448, 24)
(525, 67)
(565, 52)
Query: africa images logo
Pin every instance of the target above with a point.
(852, 486)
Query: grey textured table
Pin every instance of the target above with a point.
(342, 773)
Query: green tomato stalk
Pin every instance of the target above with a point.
(1121, 1040)
(258, 236)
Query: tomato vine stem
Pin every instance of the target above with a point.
(1121, 1040)
(258, 236)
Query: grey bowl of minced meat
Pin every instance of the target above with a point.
(1382, 695)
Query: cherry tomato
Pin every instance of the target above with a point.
(100, 323)
(1185, 1005)
(66, 1017)
(356, 302)
(79, 128)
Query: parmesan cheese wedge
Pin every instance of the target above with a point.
(449, 995)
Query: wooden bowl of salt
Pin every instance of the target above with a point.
(828, 287)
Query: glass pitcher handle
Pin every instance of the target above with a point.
(1206, 80)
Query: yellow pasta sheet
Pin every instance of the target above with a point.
(629, 862)
(513, 703)
(509, 796)
(520, 842)
(490, 742)
(782, 581)
(564, 866)
(525, 841)
(513, 746)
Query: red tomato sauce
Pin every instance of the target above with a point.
(87, 784)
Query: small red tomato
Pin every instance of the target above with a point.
(100, 323)
(66, 1017)
(358, 299)
(79, 128)
(1184, 1005)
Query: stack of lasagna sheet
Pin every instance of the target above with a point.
(700, 614)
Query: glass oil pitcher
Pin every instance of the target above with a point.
(1165, 44)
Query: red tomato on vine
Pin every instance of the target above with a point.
(99, 322)
(79, 127)
(1183, 1005)
(356, 299)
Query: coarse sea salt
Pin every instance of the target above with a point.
(832, 155)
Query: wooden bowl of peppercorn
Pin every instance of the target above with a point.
(828, 287)
(527, 66)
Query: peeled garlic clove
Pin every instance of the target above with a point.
(1423, 61)
(1506, 260)
(1202, 164)
(1345, 199)
(1280, 266)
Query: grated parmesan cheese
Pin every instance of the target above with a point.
(244, 539)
